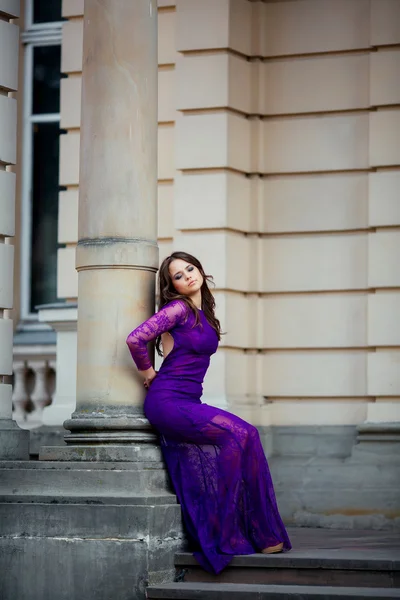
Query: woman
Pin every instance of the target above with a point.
(215, 460)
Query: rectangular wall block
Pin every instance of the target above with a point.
(315, 26)
(383, 261)
(164, 248)
(6, 275)
(385, 77)
(69, 158)
(213, 200)
(315, 321)
(326, 83)
(166, 154)
(208, 25)
(384, 140)
(384, 198)
(9, 53)
(213, 140)
(8, 129)
(237, 331)
(72, 8)
(338, 412)
(68, 217)
(314, 263)
(202, 81)
(166, 210)
(384, 318)
(311, 374)
(384, 373)
(315, 202)
(224, 255)
(70, 108)
(325, 143)
(6, 337)
(385, 22)
(384, 411)
(7, 203)
(166, 94)
(218, 80)
(11, 8)
(72, 47)
(200, 200)
(166, 38)
(67, 276)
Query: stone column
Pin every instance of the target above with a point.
(14, 442)
(117, 255)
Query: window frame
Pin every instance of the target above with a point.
(34, 35)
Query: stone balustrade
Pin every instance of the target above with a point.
(34, 384)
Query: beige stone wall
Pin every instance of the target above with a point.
(279, 154)
(9, 41)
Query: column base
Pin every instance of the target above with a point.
(128, 453)
(108, 425)
(14, 441)
(108, 434)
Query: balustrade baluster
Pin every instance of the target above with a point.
(40, 396)
(20, 396)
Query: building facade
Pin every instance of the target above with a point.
(278, 166)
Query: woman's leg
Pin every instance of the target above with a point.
(240, 446)
(221, 477)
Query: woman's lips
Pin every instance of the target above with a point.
(191, 283)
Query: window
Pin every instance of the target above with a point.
(40, 159)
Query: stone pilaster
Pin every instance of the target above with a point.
(14, 442)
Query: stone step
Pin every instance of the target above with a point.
(334, 567)
(65, 481)
(114, 520)
(232, 591)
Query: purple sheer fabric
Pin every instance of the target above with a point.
(215, 459)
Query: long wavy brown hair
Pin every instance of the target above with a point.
(167, 293)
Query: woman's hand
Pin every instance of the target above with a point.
(148, 377)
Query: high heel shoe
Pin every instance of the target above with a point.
(273, 549)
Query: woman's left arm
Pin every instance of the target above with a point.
(168, 317)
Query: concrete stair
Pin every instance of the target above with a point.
(232, 591)
(346, 565)
(85, 529)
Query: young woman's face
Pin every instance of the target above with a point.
(186, 278)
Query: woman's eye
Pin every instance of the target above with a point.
(177, 277)
(190, 268)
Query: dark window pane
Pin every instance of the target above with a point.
(46, 79)
(44, 213)
(45, 11)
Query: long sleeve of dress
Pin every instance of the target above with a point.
(169, 316)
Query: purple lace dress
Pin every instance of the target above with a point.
(215, 459)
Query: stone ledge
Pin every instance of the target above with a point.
(89, 500)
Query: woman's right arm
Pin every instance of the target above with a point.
(167, 318)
